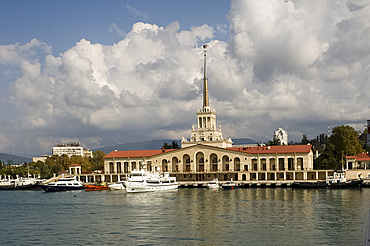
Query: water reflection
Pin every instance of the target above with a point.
(259, 216)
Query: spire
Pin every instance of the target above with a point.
(205, 89)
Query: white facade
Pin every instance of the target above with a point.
(71, 149)
(281, 135)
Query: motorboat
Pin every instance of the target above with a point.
(117, 186)
(144, 181)
(96, 187)
(213, 184)
(230, 185)
(64, 184)
(20, 183)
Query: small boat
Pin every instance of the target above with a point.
(117, 186)
(20, 183)
(230, 185)
(337, 178)
(5, 184)
(213, 184)
(96, 187)
(64, 184)
(143, 181)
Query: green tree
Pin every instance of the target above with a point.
(327, 159)
(97, 162)
(305, 140)
(345, 141)
(167, 146)
(274, 142)
(175, 145)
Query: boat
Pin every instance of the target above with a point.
(20, 183)
(230, 185)
(64, 184)
(144, 181)
(309, 184)
(117, 186)
(213, 184)
(96, 187)
(5, 184)
(339, 180)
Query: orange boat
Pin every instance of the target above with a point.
(96, 187)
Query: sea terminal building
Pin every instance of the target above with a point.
(202, 162)
(207, 155)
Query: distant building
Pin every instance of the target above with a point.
(40, 158)
(281, 135)
(357, 166)
(71, 149)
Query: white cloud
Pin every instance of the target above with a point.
(134, 11)
(114, 28)
(294, 64)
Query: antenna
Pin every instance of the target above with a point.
(205, 92)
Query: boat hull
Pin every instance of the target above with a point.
(134, 188)
(213, 187)
(96, 187)
(117, 187)
(323, 184)
(49, 188)
(21, 187)
(230, 187)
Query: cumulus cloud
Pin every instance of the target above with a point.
(297, 64)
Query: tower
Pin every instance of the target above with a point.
(205, 131)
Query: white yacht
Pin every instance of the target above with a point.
(117, 186)
(213, 184)
(64, 184)
(143, 181)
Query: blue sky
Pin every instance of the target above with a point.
(109, 72)
(63, 23)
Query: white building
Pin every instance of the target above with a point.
(281, 135)
(71, 149)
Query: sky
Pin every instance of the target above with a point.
(110, 72)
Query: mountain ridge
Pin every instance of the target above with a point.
(157, 144)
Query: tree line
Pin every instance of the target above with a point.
(54, 165)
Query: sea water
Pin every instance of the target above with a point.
(187, 216)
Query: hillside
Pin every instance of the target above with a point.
(157, 144)
(7, 158)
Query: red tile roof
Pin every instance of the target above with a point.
(274, 149)
(250, 150)
(137, 153)
(360, 157)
